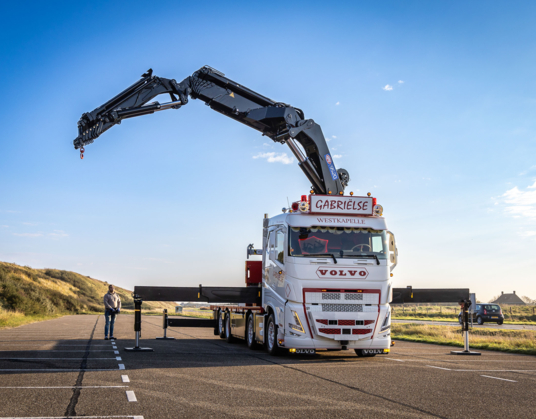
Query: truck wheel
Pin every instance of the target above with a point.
(250, 332)
(228, 336)
(271, 336)
(479, 320)
(363, 353)
(221, 324)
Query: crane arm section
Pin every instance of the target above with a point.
(280, 122)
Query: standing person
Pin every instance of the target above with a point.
(112, 306)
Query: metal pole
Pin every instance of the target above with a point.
(137, 325)
(465, 304)
(165, 325)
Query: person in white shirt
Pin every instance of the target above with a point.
(112, 307)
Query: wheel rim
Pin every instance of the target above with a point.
(250, 331)
(271, 335)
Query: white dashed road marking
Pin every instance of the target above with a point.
(118, 358)
(497, 378)
(116, 352)
(125, 379)
(131, 396)
(121, 367)
(439, 368)
(393, 359)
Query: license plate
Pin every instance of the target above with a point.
(372, 351)
(494, 317)
(305, 351)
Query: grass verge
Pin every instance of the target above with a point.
(455, 320)
(9, 319)
(516, 341)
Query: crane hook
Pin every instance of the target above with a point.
(82, 153)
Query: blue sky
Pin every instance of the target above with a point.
(430, 106)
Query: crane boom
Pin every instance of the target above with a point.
(280, 122)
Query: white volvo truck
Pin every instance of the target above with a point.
(326, 280)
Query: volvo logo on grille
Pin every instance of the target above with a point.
(342, 273)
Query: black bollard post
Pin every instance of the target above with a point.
(165, 326)
(137, 325)
(465, 304)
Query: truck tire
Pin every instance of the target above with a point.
(250, 332)
(271, 336)
(360, 352)
(228, 336)
(479, 320)
(221, 324)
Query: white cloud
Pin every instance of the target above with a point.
(337, 156)
(388, 87)
(333, 136)
(338, 103)
(401, 81)
(30, 224)
(4, 226)
(528, 234)
(58, 234)
(521, 203)
(273, 157)
(267, 145)
(28, 234)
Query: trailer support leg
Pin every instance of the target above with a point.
(465, 304)
(137, 326)
(165, 326)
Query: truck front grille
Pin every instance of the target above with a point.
(331, 308)
(330, 331)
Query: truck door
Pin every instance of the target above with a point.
(275, 263)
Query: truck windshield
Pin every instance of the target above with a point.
(346, 242)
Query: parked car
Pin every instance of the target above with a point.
(485, 313)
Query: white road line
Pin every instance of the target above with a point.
(125, 379)
(121, 366)
(116, 352)
(115, 347)
(131, 397)
(393, 359)
(497, 378)
(117, 358)
(439, 368)
(72, 387)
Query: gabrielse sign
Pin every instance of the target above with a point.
(336, 204)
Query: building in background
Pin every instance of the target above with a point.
(509, 299)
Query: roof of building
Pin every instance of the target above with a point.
(509, 299)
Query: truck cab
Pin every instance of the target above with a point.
(326, 276)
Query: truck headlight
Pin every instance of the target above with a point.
(297, 325)
(387, 322)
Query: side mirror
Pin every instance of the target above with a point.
(393, 251)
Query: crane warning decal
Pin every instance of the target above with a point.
(331, 166)
(341, 273)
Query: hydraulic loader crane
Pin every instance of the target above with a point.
(282, 123)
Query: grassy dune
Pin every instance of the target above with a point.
(518, 341)
(28, 295)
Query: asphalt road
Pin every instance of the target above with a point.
(475, 325)
(63, 368)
